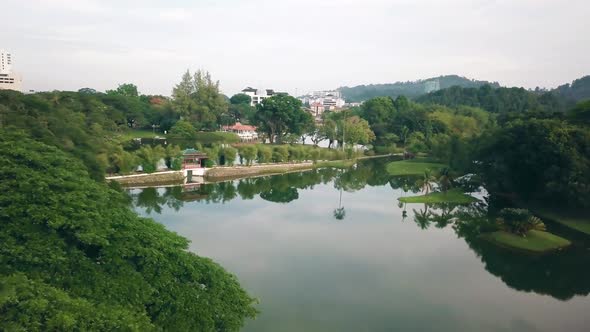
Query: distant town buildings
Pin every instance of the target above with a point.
(246, 133)
(258, 95)
(320, 101)
(8, 79)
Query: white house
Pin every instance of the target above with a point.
(246, 133)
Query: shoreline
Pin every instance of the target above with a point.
(226, 173)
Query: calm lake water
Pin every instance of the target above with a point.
(331, 250)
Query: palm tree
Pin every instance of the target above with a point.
(519, 221)
(425, 183)
(404, 135)
(445, 179)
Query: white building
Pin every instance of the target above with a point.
(8, 79)
(245, 132)
(258, 95)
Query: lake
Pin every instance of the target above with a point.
(333, 250)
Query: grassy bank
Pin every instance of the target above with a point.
(138, 133)
(335, 164)
(535, 241)
(170, 177)
(579, 223)
(452, 196)
(412, 167)
(205, 137)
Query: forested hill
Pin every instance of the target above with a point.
(577, 90)
(409, 89)
(502, 100)
(499, 100)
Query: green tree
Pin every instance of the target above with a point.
(182, 95)
(357, 131)
(126, 90)
(280, 115)
(183, 129)
(76, 257)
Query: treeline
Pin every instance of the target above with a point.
(441, 131)
(498, 100)
(91, 125)
(530, 150)
(409, 89)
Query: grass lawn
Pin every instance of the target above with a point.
(207, 137)
(535, 241)
(412, 167)
(452, 196)
(578, 223)
(139, 133)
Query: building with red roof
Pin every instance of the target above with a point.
(246, 133)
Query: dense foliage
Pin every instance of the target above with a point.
(578, 90)
(497, 100)
(537, 159)
(73, 256)
(280, 115)
(408, 89)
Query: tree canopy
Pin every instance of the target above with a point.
(76, 257)
(280, 115)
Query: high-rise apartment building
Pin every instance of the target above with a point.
(8, 79)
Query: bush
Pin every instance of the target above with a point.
(149, 157)
(313, 154)
(296, 153)
(209, 163)
(176, 163)
(249, 153)
(280, 153)
(229, 154)
(265, 154)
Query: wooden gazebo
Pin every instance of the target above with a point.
(192, 158)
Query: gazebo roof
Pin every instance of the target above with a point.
(193, 152)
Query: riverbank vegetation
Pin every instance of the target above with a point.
(76, 257)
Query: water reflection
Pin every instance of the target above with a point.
(561, 274)
(339, 213)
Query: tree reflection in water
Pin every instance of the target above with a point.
(561, 274)
(340, 213)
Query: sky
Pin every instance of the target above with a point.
(295, 46)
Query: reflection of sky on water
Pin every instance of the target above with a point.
(368, 272)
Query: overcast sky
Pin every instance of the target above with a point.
(294, 45)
